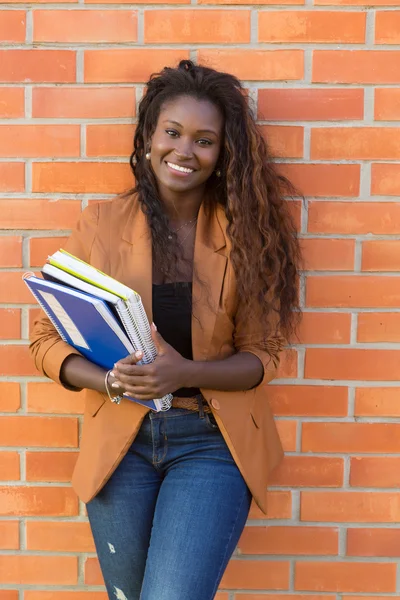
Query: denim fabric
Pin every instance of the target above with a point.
(169, 518)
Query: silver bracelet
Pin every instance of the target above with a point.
(115, 399)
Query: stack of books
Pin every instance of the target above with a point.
(96, 314)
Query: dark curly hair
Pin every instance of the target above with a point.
(265, 252)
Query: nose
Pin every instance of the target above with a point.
(183, 149)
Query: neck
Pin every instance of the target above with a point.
(183, 207)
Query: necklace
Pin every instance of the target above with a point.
(182, 226)
(188, 233)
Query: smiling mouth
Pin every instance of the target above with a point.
(179, 169)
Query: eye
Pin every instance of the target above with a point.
(171, 132)
(204, 142)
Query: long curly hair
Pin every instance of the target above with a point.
(265, 251)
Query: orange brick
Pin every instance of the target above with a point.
(74, 26)
(52, 432)
(16, 361)
(324, 180)
(279, 506)
(12, 26)
(387, 104)
(328, 254)
(39, 140)
(9, 595)
(13, 289)
(38, 214)
(308, 400)
(33, 570)
(350, 364)
(196, 26)
(288, 364)
(41, 248)
(289, 540)
(256, 65)
(59, 536)
(357, 507)
(354, 217)
(127, 66)
(255, 575)
(138, 2)
(360, 3)
(378, 327)
(385, 179)
(12, 100)
(355, 143)
(9, 536)
(12, 176)
(93, 574)
(376, 401)
(259, 2)
(387, 27)
(76, 178)
(353, 291)
(379, 255)
(356, 66)
(284, 142)
(38, 501)
(11, 251)
(109, 140)
(10, 396)
(376, 471)
(308, 471)
(310, 104)
(46, 397)
(83, 103)
(325, 328)
(288, 434)
(373, 542)
(351, 437)
(9, 467)
(50, 466)
(285, 597)
(345, 577)
(61, 595)
(10, 323)
(43, 66)
(311, 27)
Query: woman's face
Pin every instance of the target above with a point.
(186, 144)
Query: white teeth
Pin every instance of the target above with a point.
(181, 169)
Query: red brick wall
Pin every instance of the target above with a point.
(325, 79)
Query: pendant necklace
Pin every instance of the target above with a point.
(182, 226)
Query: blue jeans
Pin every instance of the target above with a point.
(167, 522)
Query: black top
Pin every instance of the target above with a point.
(172, 313)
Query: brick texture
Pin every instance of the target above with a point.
(324, 78)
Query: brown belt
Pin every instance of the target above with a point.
(190, 403)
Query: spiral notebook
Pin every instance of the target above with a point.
(123, 304)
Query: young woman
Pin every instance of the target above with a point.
(206, 240)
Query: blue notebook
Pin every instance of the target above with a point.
(85, 322)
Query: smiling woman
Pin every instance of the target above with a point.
(206, 239)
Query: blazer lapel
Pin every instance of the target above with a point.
(136, 257)
(210, 263)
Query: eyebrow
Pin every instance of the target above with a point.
(198, 131)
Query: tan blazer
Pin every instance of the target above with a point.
(114, 237)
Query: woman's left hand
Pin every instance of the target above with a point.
(146, 382)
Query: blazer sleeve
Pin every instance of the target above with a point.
(250, 336)
(47, 348)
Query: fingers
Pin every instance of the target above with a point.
(130, 370)
(131, 359)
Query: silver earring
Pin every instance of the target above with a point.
(218, 172)
(134, 161)
(148, 156)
